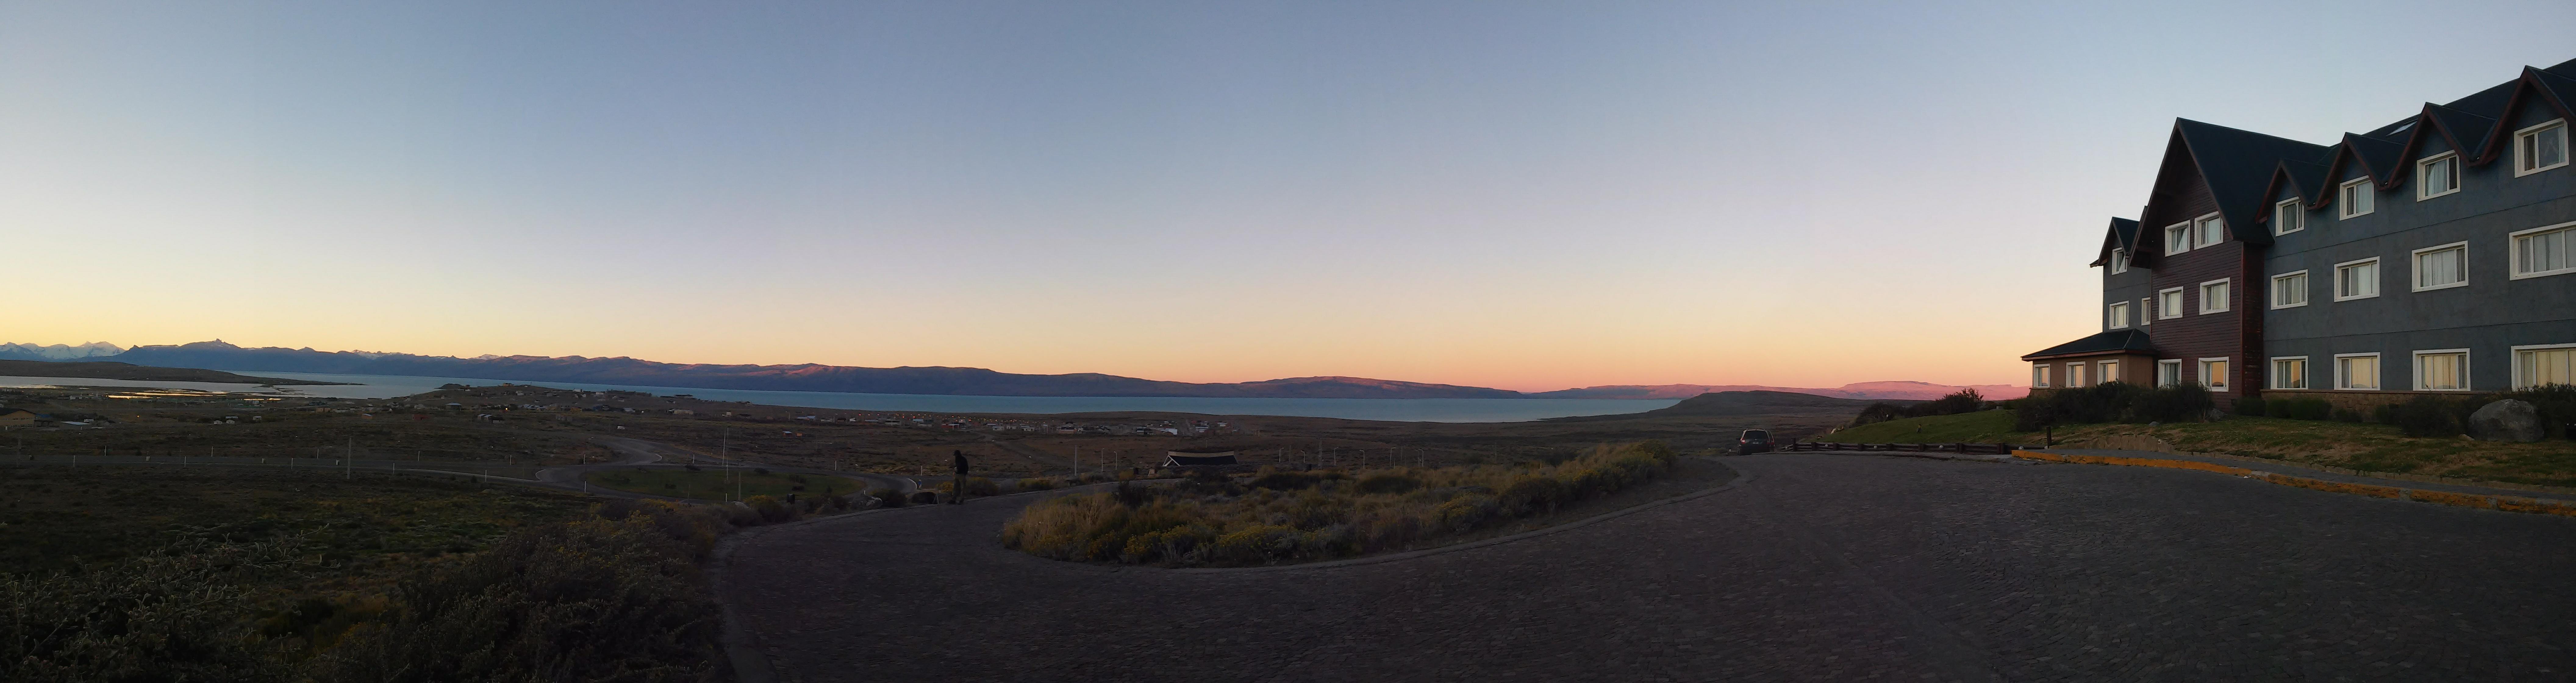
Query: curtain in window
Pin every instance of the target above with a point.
(2438, 371)
(2358, 373)
(2545, 366)
(2542, 252)
(2437, 268)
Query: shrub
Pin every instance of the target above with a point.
(2556, 404)
(769, 509)
(1961, 401)
(1037, 484)
(888, 497)
(1388, 483)
(2250, 406)
(2187, 402)
(2428, 416)
(591, 600)
(1273, 479)
(173, 614)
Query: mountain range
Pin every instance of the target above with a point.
(218, 355)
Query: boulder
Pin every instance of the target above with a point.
(2506, 420)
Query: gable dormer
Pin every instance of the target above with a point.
(2122, 238)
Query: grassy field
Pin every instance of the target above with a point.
(58, 517)
(2360, 446)
(718, 484)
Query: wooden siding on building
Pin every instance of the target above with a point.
(2235, 335)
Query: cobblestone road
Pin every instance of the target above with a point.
(1818, 567)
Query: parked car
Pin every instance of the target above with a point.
(1753, 441)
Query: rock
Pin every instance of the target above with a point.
(2506, 420)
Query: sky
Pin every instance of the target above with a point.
(1525, 195)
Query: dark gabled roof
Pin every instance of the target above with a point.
(2123, 235)
(2238, 165)
(2308, 179)
(2106, 342)
(2466, 130)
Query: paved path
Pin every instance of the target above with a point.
(1818, 567)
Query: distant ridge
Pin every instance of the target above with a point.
(218, 355)
(1892, 391)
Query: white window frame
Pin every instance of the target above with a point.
(2118, 313)
(2418, 367)
(2039, 375)
(2274, 373)
(2513, 251)
(2522, 151)
(2304, 293)
(2074, 378)
(2172, 247)
(2220, 385)
(2164, 312)
(2164, 379)
(2415, 264)
(2106, 371)
(2297, 212)
(2517, 359)
(2145, 305)
(2223, 302)
(2342, 383)
(2426, 163)
(2378, 280)
(2119, 261)
(2345, 196)
(2200, 232)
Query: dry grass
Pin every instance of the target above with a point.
(1278, 516)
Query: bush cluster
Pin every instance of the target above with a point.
(2289, 408)
(1961, 401)
(2112, 402)
(1277, 516)
(615, 596)
(2432, 416)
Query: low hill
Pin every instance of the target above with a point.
(1893, 391)
(1729, 403)
(800, 377)
(130, 371)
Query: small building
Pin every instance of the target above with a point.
(1197, 458)
(17, 417)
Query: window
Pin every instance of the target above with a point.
(2442, 370)
(2145, 305)
(2213, 296)
(2213, 373)
(2106, 371)
(2437, 175)
(2075, 374)
(2288, 217)
(2442, 267)
(2290, 372)
(2355, 198)
(2544, 251)
(2357, 279)
(2039, 376)
(2119, 261)
(2119, 315)
(2168, 372)
(2290, 290)
(2211, 230)
(2169, 303)
(2177, 238)
(2357, 371)
(2544, 364)
(2540, 148)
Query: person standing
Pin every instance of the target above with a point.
(957, 483)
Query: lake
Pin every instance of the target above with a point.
(1392, 409)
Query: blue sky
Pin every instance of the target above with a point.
(1526, 195)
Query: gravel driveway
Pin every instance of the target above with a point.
(1817, 567)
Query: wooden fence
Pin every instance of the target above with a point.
(1961, 448)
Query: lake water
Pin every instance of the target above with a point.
(1393, 409)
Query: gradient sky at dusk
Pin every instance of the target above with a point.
(1521, 195)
